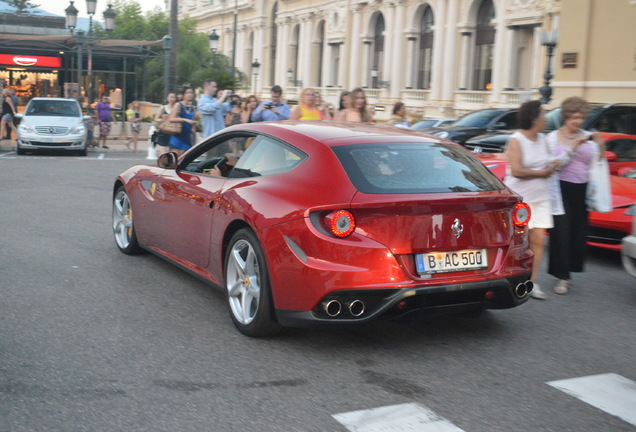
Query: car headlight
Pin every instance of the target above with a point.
(442, 135)
(79, 129)
(631, 211)
(25, 128)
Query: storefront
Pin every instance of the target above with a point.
(31, 75)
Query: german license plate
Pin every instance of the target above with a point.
(445, 262)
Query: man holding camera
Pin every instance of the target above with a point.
(273, 109)
(212, 109)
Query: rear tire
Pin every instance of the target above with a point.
(248, 294)
(123, 226)
(20, 151)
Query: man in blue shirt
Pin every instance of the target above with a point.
(273, 109)
(212, 109)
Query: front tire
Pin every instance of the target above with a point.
(247, 282)
(123, 226)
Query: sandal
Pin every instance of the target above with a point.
(561, 287)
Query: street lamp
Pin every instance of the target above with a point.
(213, 42)
(256, 67)
(167, 46)
(71, 23)
(549, 39)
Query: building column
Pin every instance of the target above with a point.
(410, 62)
(512, 56)
(366, 64)
(258, 50)
(397, 48)
(385, 68)
(305, 49)
(465, 54)
(448, 85)
(339, 82)
(354, 71)
(499, 54)
(439, 44)
(282, 52)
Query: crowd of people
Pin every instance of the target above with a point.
(217, 109)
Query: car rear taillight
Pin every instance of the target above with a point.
(340, 223)
(521, 214)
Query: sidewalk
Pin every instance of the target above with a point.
(114, 144)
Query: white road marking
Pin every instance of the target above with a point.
(395, 418)
(101, 155)
(609, 392)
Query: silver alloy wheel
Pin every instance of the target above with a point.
(243, 282)
(122, 220)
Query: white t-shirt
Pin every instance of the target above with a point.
(534, 156)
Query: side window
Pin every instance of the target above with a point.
(625, 149)
(509, 121)
(267, 156)
(617, 120)
(210, 153)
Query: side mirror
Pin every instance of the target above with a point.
(610, 156)
(86, 117)
(19, 116)
(167, 161)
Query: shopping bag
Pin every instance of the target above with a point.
(599, 192)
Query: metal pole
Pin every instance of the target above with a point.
(234, 40)
(79, 68)
(90, 60)
(166, 72)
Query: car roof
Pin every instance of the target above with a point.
(52, 99)
(334, 133)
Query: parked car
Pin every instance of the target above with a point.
(52, 124)
(330, 224)
(606, 230)
(432, 122)
(628, 252)
(618, 118)
(476, 123)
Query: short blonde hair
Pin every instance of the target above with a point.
(573, 105)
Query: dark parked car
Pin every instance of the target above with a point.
(476, 123)
(615, 118)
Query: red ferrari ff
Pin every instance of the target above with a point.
(311, 224)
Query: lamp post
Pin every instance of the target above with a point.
(256, 67)
(167, 46)
(549, 39)
(213, 42)
(71, 22)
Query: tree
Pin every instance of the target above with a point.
(21, 6)
(194, 59)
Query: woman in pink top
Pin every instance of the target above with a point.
(567, 238)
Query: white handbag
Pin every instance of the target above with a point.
(599, 191)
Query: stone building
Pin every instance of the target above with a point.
(440, 57)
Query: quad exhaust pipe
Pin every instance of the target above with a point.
(333, 308)
(523, 288)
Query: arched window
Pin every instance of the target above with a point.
(272, 49)
(425, 62)
(484, 49)
(378, 50)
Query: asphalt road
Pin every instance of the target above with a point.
(93, 340)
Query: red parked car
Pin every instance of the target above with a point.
(322, 223)
(606, 230)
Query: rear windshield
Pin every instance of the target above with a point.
(414, 168)
(478, 119)
(58, 108)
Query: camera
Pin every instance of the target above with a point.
(268, 106)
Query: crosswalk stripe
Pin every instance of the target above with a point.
(395, 418)
(609, 392)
